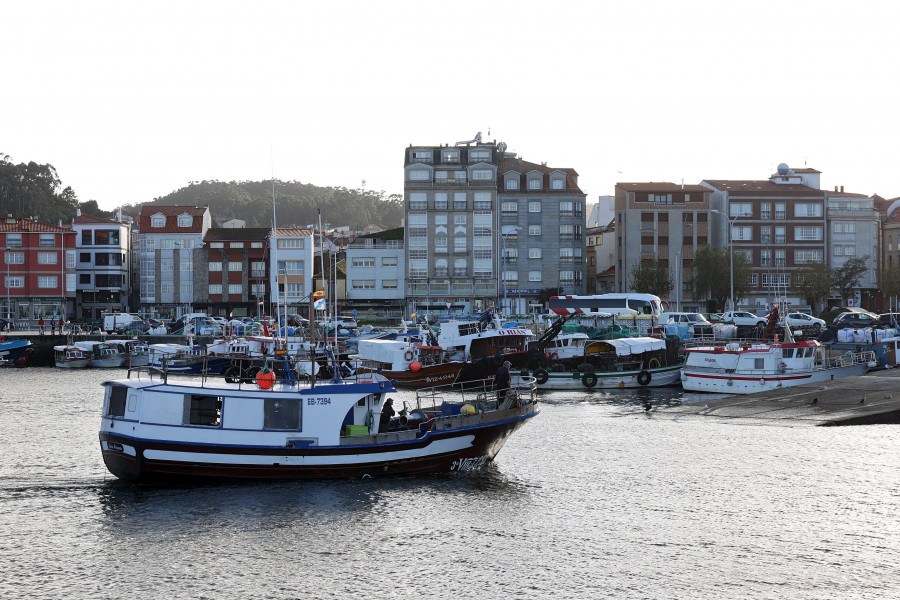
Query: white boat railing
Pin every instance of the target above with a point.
(480, 394)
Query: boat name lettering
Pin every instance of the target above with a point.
(320, 401)
(468, 464)
(712, 360)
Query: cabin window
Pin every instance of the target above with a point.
(759, 363)
(280, 413)
(117, 396)
(203, 410)
(787, 353)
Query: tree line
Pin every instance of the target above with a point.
(35, 190)
(711, 278)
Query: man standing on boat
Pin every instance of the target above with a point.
(502, 380)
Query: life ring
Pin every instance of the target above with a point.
(644, 377)
(541, 376)
(232, 374)
(653, 363)
(408, 355)
(589, 380)
(265, 379)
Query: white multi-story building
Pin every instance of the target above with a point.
(170, 238)
(291, 265)
(375, 266)
(102, 266)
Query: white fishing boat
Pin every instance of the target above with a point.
(71, 356)
(158, 426)
(611, 364)
(409, 365)
(746, 368)
(104, 355)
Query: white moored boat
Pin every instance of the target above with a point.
(612, 364)
(747, 368)
(71, 357)
(168, 426)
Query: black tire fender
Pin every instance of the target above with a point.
(644, 378)
(232, 374)
(541, 376)
(589, 380)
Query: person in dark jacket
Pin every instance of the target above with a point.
(387, 411)
(502, 380)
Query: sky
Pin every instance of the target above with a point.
(131, 101)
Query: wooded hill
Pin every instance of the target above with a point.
(34, 190)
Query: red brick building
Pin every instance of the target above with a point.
(38, 277)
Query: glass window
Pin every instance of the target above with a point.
(534, 253)
(440, 200)
(47, 258)
(534, 184)
(235, 289)
(419, 175)
(459, 219)
(389, 284)
(534, 206)
(482, 175)
(534, 230)
(236, 245)
(534, 275)
(215, 266)
(158, 221)
(18, 258)
(47, 281)
(185, 220)
(479, 155)
(389, 261)
(47, 240)
(558, 184)
(512, 184)
(215, 288)
(235, 265)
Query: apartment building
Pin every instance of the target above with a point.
(291, 265)
(235, 280)
(375, 266)
(103, 266)
(665, 222)
(39, 271)
(170, 240)
(486, 228)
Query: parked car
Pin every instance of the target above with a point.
(685, 325)
(341, 322)
(888, 320)
(798, 319)
(854, 319)
(713, 317)
(744, 318)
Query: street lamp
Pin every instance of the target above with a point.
(510, 229)
(731, 248)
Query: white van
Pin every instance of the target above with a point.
(114, 321)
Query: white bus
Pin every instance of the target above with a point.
(608, 304)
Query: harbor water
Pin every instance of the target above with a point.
(594, 498)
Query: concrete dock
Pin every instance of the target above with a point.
(873, 398)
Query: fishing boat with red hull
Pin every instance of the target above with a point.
(167, 426)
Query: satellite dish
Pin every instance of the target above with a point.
(501, 146)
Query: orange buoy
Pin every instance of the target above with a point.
(265, 379)
(415, 366)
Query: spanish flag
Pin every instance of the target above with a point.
(319, 294)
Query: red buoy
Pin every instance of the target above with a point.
(415, 366)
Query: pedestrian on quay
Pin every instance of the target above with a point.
(41, 325)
